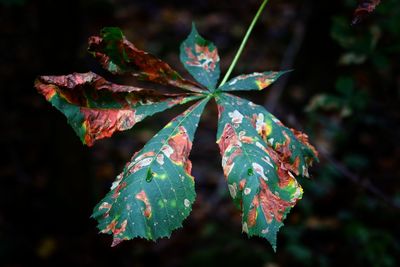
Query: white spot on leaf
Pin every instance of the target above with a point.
(232, 189)
(259, 170)
(245, 228)
(160, 159)
(268, 161)
(167, 150)
(265, 231)
(186, 202)
(236, 117)
(260, 122)
(247, 191)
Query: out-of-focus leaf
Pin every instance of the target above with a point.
(200, 58)
(352, 58)
(345, 85)
(254, 81)
(364, 8)
(12, 2)
(260, 157)
(155, 191)
(119, 56)
(96, 108)
(329, 103)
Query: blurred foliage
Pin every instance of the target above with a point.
(345, 89)
(12, 2)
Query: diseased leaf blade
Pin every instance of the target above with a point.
(119, 56)
(200, 58)
(155, 191)
(293, 145)
(96, 108)
(260, 174)
(364, 8)
(254, 81)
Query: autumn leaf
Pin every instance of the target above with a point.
(200, 58)
(254, 81)
(119, 56)
(96, 108)
(365, 7)
(155, 191)
(260, 159)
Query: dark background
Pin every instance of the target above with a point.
(344, 93)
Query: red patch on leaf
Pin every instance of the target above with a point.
(181, 145)
(204, 58)
(143, 197)
(242, 184)
(228, 141)
(252, 215)
(118, 189)
(103, 123)
(304, 139)
(228, 138)
(272, 206)
(47, 90)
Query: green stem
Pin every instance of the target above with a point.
(243, 44)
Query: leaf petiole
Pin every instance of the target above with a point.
(243, 44)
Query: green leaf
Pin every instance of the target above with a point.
(155, 191)
(260, 158)
(254, 81)
(200, 58)
(119, 56)
(96, 108)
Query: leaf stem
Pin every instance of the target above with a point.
(243, 44)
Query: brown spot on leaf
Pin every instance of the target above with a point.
(118, 189)
(204, 58)
(143, 197)
(181, 145)
(242, 184)
(252, 215)
(271, 205)
(103, 123)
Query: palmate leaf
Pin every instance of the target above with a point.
(155, 191)
(254, 81)
(96, 108)
(260, 158)
(200, 58)
(119, 56)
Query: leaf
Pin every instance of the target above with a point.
(365, 7)
(154, 193)
(119, 56)
(260, 158)
(254, 81)
(96, 108)
(200, 58)
(292, 144)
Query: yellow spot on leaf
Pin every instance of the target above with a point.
(262, 83)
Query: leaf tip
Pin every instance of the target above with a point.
(194, 29)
